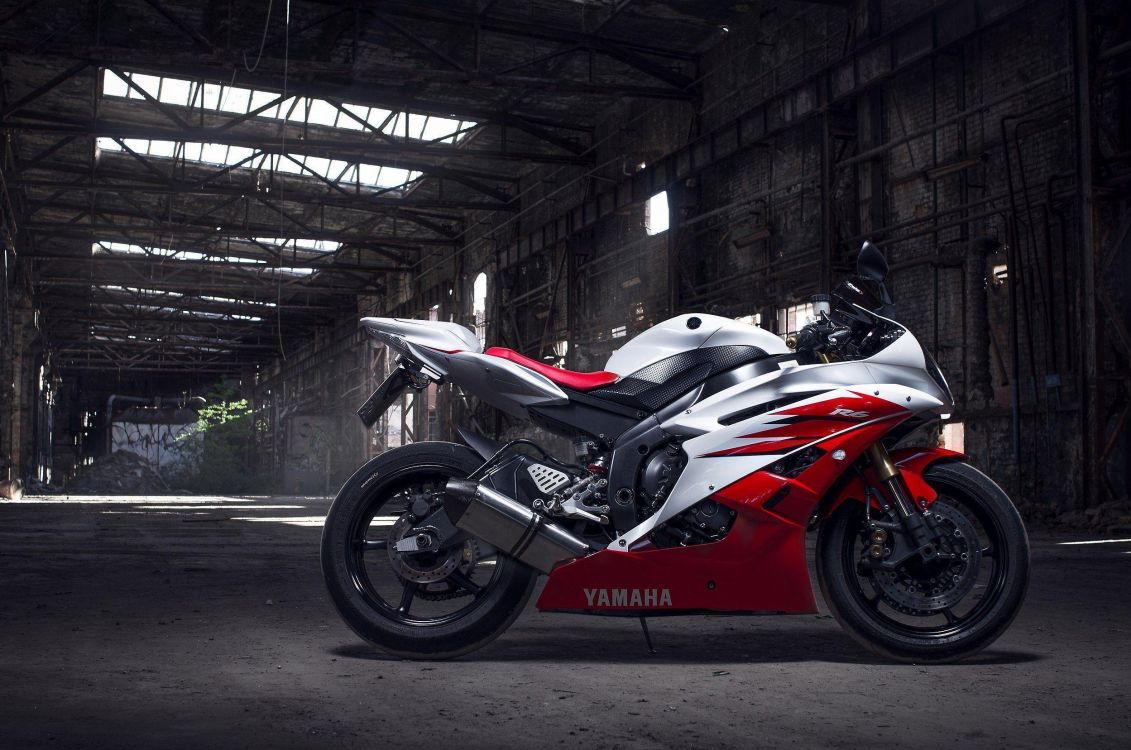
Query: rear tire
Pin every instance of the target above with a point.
(346, 571)
(883, 617)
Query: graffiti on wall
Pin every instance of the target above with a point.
(310, 440)
(163, 445)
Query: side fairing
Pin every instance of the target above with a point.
(744, 429)
(505, 385)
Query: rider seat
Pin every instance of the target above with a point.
(578, 381)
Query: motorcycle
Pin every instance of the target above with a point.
(703, 454)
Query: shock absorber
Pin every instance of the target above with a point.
(888, 474)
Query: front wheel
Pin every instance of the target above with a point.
(941, 610)
(432, 604)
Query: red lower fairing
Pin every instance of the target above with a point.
(760, 566)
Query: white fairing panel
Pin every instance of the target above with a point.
(896, 375)
(453, 352)
(435, 334)
(674, 336)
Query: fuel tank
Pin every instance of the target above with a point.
(685, 332)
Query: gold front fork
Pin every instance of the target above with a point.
(885, 469)
(889, 475)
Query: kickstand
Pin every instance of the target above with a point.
(647, 635)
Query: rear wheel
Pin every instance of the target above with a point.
(937, 611)
(433, 604)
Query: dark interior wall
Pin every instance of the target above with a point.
(950, 134)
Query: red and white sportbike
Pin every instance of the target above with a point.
(705, 451)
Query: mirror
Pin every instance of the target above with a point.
(871, 264)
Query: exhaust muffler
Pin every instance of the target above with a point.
(509, 525)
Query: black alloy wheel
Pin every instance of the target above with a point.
(425, 602)
(939, 610)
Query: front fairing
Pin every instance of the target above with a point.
(908, 360)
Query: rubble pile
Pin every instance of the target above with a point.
(1112, 517)
(120, 473)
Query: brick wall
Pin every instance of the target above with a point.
(968, 149)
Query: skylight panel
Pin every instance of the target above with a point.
(139, 145)
(147, 83)
(361, 113)
(113, 85)
(416, 125)
(393, 126)
(144, 291)
(262, 99)
(378, 117)
(164, 252)
(235, 100)
(175, 91)
(439, 128)
(219, 154)
(233, 301)
(321, 112)
(322, 246)
(214, 153)
(210, 98)
(260, 263)
(239, 100)
(164, 149)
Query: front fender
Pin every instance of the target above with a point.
(911, 462)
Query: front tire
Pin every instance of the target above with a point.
(424, 606)
(940, 612)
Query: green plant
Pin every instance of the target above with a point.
(220, 452)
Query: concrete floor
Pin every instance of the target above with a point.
(202, 622)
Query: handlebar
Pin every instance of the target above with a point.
(822, 336)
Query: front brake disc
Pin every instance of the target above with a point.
(920, 587)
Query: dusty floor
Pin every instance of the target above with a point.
(202, 623)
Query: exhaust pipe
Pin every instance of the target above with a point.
(509, 525)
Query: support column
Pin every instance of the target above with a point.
(1090, 414)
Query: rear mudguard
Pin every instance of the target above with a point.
(912, 462)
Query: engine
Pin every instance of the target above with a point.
(706, 521)
(661, 470)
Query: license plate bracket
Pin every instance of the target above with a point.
(382, 398)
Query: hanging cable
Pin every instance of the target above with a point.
(262, 41)
(282, 150)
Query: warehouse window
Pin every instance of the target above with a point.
(236, 100)
(954, 436)
(479, 307)
(561, 349)
(222, 155)
(794, 317)
(754, 320)
(656, 213)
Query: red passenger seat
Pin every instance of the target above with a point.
(578, 381)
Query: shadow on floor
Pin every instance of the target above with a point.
(567, 644)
